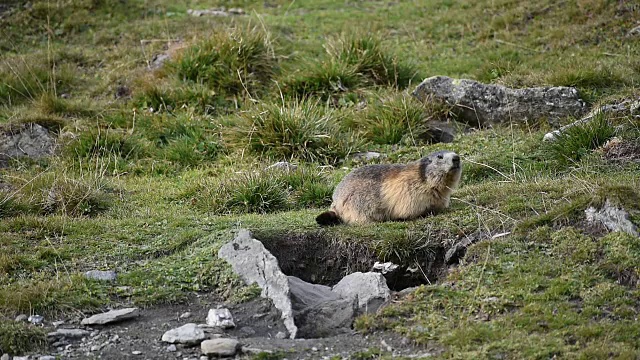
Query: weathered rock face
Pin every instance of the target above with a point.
(369, 289)
(319, 311)
(111, 316)
(485, 104)
(255, 264)
(613, 218)
(220, 318)
(26, 140)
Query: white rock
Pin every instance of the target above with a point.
(613, 218)
(185, 334)
(21, 357)
(281, 335)
(101, 275)
(185, 315)
(57, 323)
(36, 319)
(111, 316)
(171, 348)
(68, 333)
(220, 318)
(370, 289)
(136, 352)
(282, 165)
(5, 357)
(47, 357)
(219, 347)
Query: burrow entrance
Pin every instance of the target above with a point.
(316, 257)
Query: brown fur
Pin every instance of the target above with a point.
(394, 192)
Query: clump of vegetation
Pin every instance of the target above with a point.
(19, 338)
(571, 145)
(325, 80)
(229, 63)
(304, 130)
(169, 96)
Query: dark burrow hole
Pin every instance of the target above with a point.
(317, 258)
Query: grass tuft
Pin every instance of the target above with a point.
(304, 130)
(20, 338)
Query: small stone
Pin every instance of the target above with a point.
(314, 349)
(219, 347)
(36, 319)
(171, 348)
(21, 357)
(185, 315)
(366, 156)
(281, 335)
(282, 165)
(47, 357)
(204, 357)
(57, 323)
(221, 318)
(136, 352)
(5, 357)
(68, 333)
(96, 347)
(186, 334)
(21, 318)
(111, 316)
(255, 351)
(247, 331)
(100, 275)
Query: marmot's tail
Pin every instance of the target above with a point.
(328, 218)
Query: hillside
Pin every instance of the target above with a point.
(156, 126)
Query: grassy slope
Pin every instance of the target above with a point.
(140, 192)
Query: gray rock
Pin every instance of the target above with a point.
(172, 348)
(189, 334)
(254, 351)
(369, 289)
(623, 108)
(21, 318)
(327, 318)
(57, 323)
(220, 318)
(304, 294)
(613, 218)
(185, 315)
(25, 140)
(22, 357)
(254, 264)
(47, 357)
(366, 156)
(100, 275)
(5, 357)
(111, 316)
(384, 268)
(36, 319)
(220, 347)
(247, 331)
(136, 352)
(440, 132)
(68, 333)
(281, 335)
(485, 104)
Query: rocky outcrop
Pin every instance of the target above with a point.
(369, 289)
(188, 334)
(111, 316)
(484, 104)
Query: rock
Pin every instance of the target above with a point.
(219, 347)
(281, 335)
(613, 218)
(220, 318)
(439, 132)
(68, 333)
(111, 316)
(36, 319)
(185, 315)
(22, 357)
(366, 156)
(282, 165)
(405, 292)
(100, 275)
(254, 264)
(369, 289)
(254, 351)
(634, 31)
(57, 323)
(136, 352)
(25, 140)
(189, 334)
(172, 348)
(47, 357)
(247, 331)
(304, 294)
(21, 318)
(485, 104)
(5, 357)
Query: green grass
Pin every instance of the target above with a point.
(156, 183)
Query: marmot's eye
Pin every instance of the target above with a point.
(439, 156)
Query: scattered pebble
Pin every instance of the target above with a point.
(100, 275)
(57, 323)
(136, 352)
(281, 335)
(171, 348)
(220, 318)
(314, 349)
(185, 315)
(186, 334)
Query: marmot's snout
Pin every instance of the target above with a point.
(455, 162)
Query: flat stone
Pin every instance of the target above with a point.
(185, 315)
(25, 140)
(111, 316)
(47, 357)
(220, 318)
(21, 318)
(220, 347)
(172, 348)
(189, 334)
(613, 218)
(101, 275)
(36, 319)
(5, 357)
(282, 165)
(369, 289)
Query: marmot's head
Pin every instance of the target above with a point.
(442, 168)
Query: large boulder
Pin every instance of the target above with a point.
(25, 140)
(255, 264)
(369, 289)
(484, 104)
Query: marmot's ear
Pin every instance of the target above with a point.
(424, 163)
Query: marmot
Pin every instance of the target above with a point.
(394, 192)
